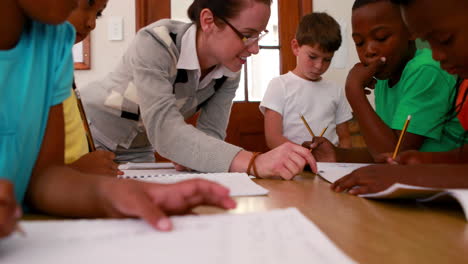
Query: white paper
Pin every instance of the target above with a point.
(146, 166)
(332, 171)
(239, 184)
(422, 194)
(275, 237)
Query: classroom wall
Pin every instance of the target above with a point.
(105, 54)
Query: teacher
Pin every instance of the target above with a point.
(173, 70)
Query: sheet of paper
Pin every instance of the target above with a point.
(332, 171)
(239, 184)
(275, 237)
(402, 191)
(146, 166)
(422, 194)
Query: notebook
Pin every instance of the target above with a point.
(332, 171)
(422, 194)
(239, 184)
(274, 237)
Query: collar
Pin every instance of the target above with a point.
(188, 59)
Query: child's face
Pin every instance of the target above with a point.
(312, 61)
(84, 17)
(379, 31)
(445, 26)
(48, 11)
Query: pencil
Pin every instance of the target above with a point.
(85, 121)
(323, 131)
(307, 126)
(402, 135)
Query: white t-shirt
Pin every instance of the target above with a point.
(322, 103)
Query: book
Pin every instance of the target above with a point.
(273, 237)
(422, 194)
(239, 184)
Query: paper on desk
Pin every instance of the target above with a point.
(239, 184)
(422, 194)
(332, 171)
(146, 166)
(275, 237)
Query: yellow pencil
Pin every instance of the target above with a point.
(402, 135)
(89, 136)
(307, 125)
(323, 131)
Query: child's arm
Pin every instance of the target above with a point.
(97, 162)
(459, 155)
(344, 136)
(59, 190)
(9, 209)
(376, 178)
(274, 129)
(378, 136)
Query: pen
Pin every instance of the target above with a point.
(400, 139)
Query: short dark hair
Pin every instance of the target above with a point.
(91, 2)
(222, 9)
(360, 3)
(319, 28)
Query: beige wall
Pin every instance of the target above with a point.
(341, 11)
(105, 54)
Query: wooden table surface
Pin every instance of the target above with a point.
(369, 231)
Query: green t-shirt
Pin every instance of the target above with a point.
(426, 92)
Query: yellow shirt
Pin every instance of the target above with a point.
(76, 144)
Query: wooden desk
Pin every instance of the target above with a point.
(369, 231)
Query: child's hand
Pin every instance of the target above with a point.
(285, 161)
(153, 202)
(370, 179)
(322, 149)
(98, 162)
(10, 212)
(361, 77)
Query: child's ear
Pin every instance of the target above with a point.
(207, 20)
(295, 47)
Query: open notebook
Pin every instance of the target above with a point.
(422, 194)
(274, 237)
(239, 184)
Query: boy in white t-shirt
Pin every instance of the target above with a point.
(304, 92)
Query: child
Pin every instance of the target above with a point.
(304, 92)
(443, 24)
(10, 212)
(77, 153)
(36, 71)
(409, 82)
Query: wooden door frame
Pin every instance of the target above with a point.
(147, 11)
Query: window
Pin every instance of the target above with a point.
(261, 68)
